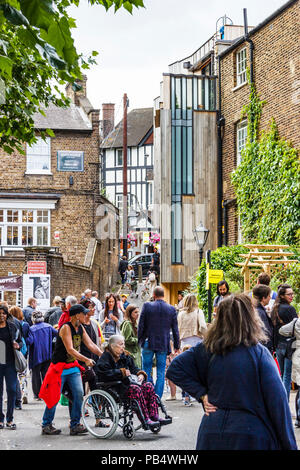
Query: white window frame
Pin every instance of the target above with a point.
(241, 139)
(34, 224)
(241, 67)
(42, 148)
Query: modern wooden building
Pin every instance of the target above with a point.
(186, 181)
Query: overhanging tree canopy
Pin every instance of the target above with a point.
(37, 48)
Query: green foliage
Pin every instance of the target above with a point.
(267, 183)
(37, 50)
(291, 276)
(223, 258)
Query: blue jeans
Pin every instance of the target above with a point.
(8, 372)
(75, 383)
(147, 362)
(285, 367)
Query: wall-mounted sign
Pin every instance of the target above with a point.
(56, 235)
(10, 283)
(70, 160)
(37, 286)
(36, 267)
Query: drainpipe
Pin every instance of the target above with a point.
(220, 124)
(251, 46)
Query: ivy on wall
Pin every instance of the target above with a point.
(267, 182)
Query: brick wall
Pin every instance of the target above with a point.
(277, 80)
(74, 215)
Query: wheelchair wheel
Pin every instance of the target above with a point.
(129, 431)
(100, 414)
(155, 429)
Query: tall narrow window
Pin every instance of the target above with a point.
(241, 138)
(39, 156)
(241, 67)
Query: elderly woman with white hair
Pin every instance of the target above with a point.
(116, 364)
(39, 340)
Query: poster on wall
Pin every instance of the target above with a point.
(37, 286)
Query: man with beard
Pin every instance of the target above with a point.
(222, 291)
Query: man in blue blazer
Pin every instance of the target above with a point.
(156, 321)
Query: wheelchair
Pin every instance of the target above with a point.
(104, 410)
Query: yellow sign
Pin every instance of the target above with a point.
(146, 238)
(215, 276)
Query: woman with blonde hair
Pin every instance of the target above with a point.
(191, 322)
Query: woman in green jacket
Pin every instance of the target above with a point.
(129, 331)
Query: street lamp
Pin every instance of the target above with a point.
(201, 234)
(132, 218)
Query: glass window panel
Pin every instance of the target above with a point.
(27, 236)
(27, 216)
(189, 160)
(178, 103)
(42, 216)
(195, 92)
(200, 93)
(184, 161)
(39, 155)
(12, 235)
(178, 175)
(173, 169)
(42, 236)
(189, 94)
(119, 157)
(1, 231)
(1, 215)
(183, 84)
(12, 216)
(173, 97)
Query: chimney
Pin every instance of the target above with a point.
(108, 118)
(74, 95)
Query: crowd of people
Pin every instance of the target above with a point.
(240, 367)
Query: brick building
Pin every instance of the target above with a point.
(51, 208)
(276, 73)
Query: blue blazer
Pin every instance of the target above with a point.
(244, 384)
(156, 321)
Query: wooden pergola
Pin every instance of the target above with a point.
(263, 258)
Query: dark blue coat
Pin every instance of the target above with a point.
(156, 321)
(253, 411)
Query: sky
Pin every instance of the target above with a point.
(135, 50)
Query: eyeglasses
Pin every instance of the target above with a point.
(290, 294)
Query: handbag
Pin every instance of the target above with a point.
(20, 361)
(290, 343)
(133, 380)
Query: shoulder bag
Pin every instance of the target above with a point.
(290, 343)
(20, 361)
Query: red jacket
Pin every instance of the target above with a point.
(64, 318)
(51, 387)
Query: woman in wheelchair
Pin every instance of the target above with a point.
(116, 364)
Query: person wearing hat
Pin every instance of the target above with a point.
(39, 340)
(65, 369)
(125, 301)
